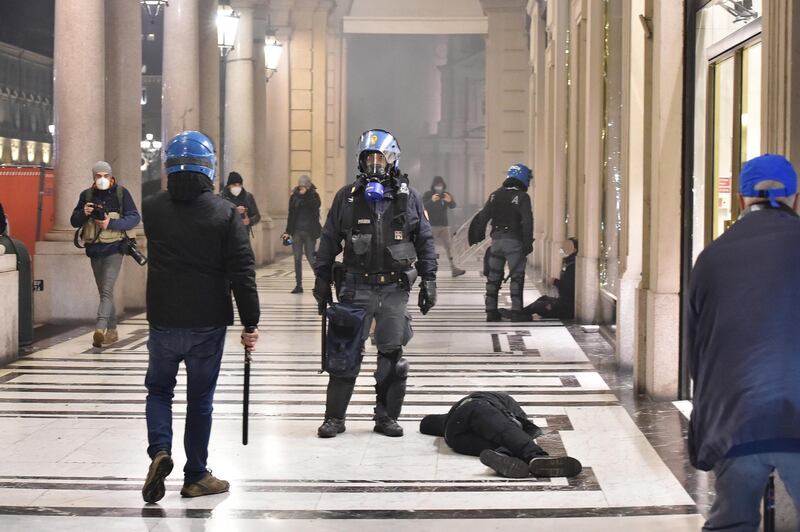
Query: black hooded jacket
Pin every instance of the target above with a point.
(199, 252)
(509, 210)
(437, 210)
(304, 212)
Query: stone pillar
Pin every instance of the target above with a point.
(506, 88)
(635, 156)
(663, 197)
(180, 96)
(278, 183)
(79, 112)
(124, 127)
(239, 122)
(538, 136)
(780, 130)
(557, 24)
(267, 242)
(308, 93)
(209, 98)
(590, 193)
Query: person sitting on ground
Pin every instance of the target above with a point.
(494, 426)
(561, 307)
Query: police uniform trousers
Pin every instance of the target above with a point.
(387, 306)
(505, 250)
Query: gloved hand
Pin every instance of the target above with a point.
(322, 293)
(427, 295)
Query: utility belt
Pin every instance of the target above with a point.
(378, 279)
(346, 282)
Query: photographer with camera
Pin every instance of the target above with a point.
(105, 211)
(244, 201)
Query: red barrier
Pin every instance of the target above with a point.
(19, 194)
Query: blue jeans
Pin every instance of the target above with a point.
(740, 486)
(201, 351)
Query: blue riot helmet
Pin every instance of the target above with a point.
(378, 141)
(191, 151)
(521, 173)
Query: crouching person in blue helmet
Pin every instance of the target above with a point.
(509, 210)
(199, 252)
(380, 222)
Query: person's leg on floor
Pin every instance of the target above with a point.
(740, 486)
(308, 248)
(203, 358)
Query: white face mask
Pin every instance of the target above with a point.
(438, 189)
(562, 252)
(102, 183)
(236, 190)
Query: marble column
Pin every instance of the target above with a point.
(180, 96)
(79, 117)
(124, 126)
(267, 242)
(590, 191)
(239, 123)
(506, 88)
(537, 136)
(663, 195)
(209, 98)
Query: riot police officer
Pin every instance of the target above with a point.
(387, 240)
(509, 210)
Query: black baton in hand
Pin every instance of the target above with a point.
(246, 396)
(323, 350)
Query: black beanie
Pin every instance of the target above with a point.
(233, 178)
(433, 425)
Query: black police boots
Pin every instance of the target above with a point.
(388, 426)
(546, 466)
(493, 315)
(504, 464)
(331, 427)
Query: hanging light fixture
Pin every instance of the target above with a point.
(273, 49)
(227, 26)
(153, 7)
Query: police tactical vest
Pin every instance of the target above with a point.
(378, 242)
(504, 209)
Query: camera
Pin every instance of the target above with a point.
(128, 247)
(99, 212)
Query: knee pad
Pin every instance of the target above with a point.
(401, 368)
(391, 366)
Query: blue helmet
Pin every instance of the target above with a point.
(521, 173)
(380, 141)
(191, 151)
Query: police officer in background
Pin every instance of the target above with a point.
(387, 241)
(509, 210)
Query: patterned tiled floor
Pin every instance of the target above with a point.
(73, 435)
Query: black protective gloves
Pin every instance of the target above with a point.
(323, 294)
(427, 295)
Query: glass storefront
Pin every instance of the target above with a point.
(727, 128)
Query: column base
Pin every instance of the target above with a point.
(627, 321)
(663, 345)
(9, 309)
(588, 289)
(70, 292)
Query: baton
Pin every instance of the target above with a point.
(246, 397)
(769, 505)
(323, 348)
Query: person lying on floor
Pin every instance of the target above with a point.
(493, 425)
(561, 307)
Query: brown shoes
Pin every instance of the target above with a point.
(160, 467)
(111, 336)
(98, 338)
(208, 485)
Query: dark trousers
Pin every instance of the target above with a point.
(505, 250)
(477, 425)
(549, 307)
(201, 352)
(302, 243)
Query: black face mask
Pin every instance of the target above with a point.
(187, 186)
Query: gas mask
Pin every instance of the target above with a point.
(375, 189)
(374, 167)
(236, 191)
(102, 183)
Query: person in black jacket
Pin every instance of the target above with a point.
(199, 252)
(244, 201)
(742, 315)
(437, 202)
(509, 210)
(494, 426)
(302, 226)
(103, 213)
(563, 306)
(3, 221)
